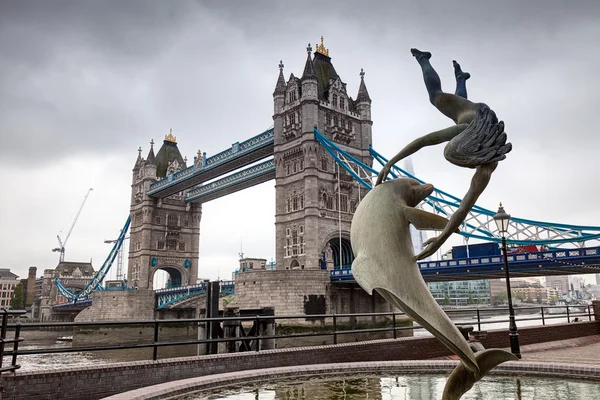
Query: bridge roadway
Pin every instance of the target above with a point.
(555, 262)
(246, 178)
(239, 155)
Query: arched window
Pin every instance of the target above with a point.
(329, 203)
(324, 164)
(172, 220)
(294, 264)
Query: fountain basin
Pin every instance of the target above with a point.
(252, 379)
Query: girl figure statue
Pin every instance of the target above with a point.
(476, 141)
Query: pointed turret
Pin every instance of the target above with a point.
(363, 94)
(309, 68)
(279, 93)
(151, 159)
(138, 162)
(280, 87)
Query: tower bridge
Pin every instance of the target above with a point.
(320, 154)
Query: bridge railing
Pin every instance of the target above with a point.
(561, 256)
(329, 325)
(554, 255)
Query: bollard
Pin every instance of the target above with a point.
(230, 329)
(268, 328)
(596, 307)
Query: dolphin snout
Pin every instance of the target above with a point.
(427, 188)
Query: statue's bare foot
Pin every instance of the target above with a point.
(458, 72)
(418, 54)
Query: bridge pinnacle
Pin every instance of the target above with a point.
(170, 137)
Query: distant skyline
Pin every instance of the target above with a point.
(84, 83)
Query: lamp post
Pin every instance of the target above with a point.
(502, 219)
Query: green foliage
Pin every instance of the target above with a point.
(18, 301)
(446, 301)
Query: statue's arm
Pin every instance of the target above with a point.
(479, 182)
(430, 139)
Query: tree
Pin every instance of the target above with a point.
(18, 302)
(500, 298)
(446, 301)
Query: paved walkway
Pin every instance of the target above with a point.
(584, 350)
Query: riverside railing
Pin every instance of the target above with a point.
(5, 315)
(257, 332)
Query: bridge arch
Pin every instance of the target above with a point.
(337, 247)
(166, 276)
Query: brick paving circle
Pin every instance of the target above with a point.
(219, 381)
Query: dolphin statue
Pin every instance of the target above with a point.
(385, 262)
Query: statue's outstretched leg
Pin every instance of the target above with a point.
(431, 78)
(461, 80)
(457, 108)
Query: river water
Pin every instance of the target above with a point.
(90, 358)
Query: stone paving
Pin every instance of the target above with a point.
(585, 350)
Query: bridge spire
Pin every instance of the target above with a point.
(309, 68)
(321, 48)
(138, 161)
(363, 94)
(151, 158)
(280, 87)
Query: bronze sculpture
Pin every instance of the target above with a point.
(380, 235)
(476, 141)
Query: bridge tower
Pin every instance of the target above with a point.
(164, 233)
(315, 199)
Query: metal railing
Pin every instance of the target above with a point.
(5, 314)
(257, 335)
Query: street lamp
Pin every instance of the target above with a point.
(502, 218)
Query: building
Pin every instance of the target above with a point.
(29, 288)
(315, 199)
(460, 293)
(8, 282)
(73, 276)
(565, 284)
(164, 233)
(35, 308)
(252, 264)
(527, 290)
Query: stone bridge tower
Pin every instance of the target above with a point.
(164, 233)
(315, 199)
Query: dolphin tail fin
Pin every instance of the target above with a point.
(462, 379)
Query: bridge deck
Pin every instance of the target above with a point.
(239, 155)
(244, 179)
(557, 262)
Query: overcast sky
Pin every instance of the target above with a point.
(84, 83)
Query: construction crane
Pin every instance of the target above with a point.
(119, 275)
(62, 243)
